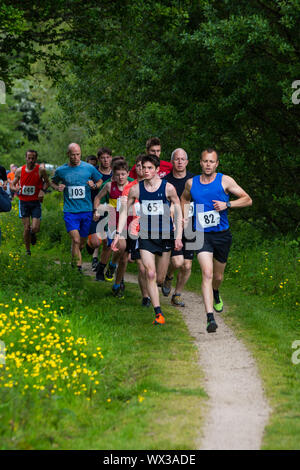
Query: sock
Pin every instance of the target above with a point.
(101, 267)
(112, 265)
(216, 296)
(210, 317)
(116, 286)
(157, 310)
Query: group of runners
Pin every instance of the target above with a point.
(157, 214)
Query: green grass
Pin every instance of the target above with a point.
(137, 386)
(262, 299)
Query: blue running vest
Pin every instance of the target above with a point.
(155, 220)
(206, 218)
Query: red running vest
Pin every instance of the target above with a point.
(30, 184)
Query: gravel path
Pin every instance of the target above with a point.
(237, 408)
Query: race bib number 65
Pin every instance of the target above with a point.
(76, 192)
(153, 207)
(209, 219)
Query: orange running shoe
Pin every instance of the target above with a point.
(159, 319)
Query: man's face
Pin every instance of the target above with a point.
(139, 170)
(155, 150)
(180, 161)
(92, 162)
(74, 155)
(149, 170)
(120, 177)
(31, 159)
(105, 161)
(209, 163)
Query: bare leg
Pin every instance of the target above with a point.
(206, 263)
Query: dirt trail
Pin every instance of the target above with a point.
(237, 408)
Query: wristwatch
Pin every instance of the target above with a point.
(228, 204)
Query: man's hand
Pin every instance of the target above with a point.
(220, 205)
(91, 184)
(41, 195)
(178, 245)
(114, 245)
(61, 187)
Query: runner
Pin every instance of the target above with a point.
(210, 193)
(5, 202)
(76, 179)
(114, 189)
(182, 259)
(104, 155)
(31, 180)
(156, 236)
(106, 250)
(153, 147)
(133, 233)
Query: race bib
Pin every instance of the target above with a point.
(76, 192)
(28, 190)
(209, 219)
(153, 207)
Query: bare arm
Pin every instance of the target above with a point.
(186, 199)
(14, 184)
(230, 186)
(126, 204)
(101, 194)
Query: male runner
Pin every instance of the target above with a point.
(114, 190)
(133, 233)
(76, 179)
(182, 259)
(156, 236)
(153, 147)
(210, 193)
(32, 182)
(5, 202)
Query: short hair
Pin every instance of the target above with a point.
(152, 141)
(139, 158)
(152, 159)
(103, 150)
(209, 150)
(91, 157)
(175, 151)
(31, 151)
(120, 165)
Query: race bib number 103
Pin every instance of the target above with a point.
(76, 192)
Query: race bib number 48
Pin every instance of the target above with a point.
(209, 219)
(76, 192)
(153, 207)
(28, 190)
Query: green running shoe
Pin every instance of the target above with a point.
(218, 304)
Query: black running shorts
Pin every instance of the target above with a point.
(217, 243)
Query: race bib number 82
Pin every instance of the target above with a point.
(209, 219)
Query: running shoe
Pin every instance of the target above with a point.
(32, 238)
(218, 302)
(94, 264)
(118, 293)
(110, 272)
(176, 300)
(167, 285)
(79, 269)
(159, 319)
(146, 302)
(100, 272)
(211, 326)
(28, 252)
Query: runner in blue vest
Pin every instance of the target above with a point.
(76, 179)
(210, 193)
